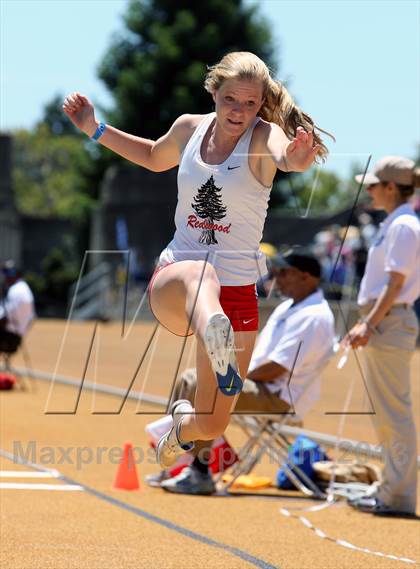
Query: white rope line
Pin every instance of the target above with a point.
(343, 542)
(330, 491)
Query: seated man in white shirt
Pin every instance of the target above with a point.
(283, 375)
(16, 309)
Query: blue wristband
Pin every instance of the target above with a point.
(99, 131)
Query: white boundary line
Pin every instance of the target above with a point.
(44, 473)
(40, 472)
(28, 474)
(27, 486)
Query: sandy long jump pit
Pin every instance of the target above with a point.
(58, 508)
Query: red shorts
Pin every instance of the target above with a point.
(239, 303)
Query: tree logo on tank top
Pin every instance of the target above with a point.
(208, 206)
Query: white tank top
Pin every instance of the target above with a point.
(220, 213)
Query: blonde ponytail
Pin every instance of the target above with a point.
(278, 106)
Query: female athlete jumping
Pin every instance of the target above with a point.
(205, 280)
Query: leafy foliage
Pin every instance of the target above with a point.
(155, 70)
(48, 173)
(59, 274)
(315, 192)
(52, 285)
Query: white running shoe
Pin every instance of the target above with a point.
(169, 447)
(219, 341)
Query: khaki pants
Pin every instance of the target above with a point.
(386, 362)
(255, 398)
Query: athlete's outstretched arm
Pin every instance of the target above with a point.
(157, 156)
(295, 155)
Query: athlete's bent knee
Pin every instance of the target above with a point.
(203, 272)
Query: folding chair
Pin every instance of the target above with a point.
(265, 437)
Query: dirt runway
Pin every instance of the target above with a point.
(93, 526)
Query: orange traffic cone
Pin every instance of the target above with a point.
(126, 477)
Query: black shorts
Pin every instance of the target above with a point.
(9, 341)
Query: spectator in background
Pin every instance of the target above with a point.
(388, 331)
(367, 228)
(264, 283)
(360, 259)
(16, 308)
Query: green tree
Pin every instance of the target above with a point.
(48, 173)
(155, 69)
(315, 192)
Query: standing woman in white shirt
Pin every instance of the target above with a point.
(205, 281)
(388, 331)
